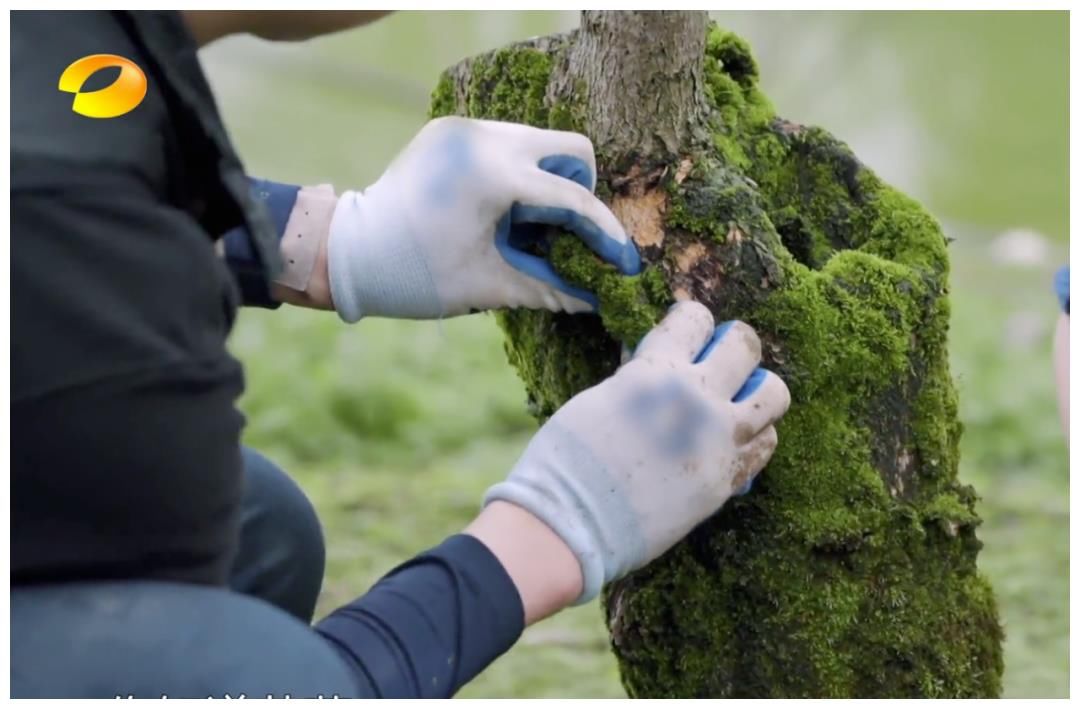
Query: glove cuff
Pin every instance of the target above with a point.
(375, 269)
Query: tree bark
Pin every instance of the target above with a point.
(655, 57)
(849, 570)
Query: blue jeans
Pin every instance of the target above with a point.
(149, 638)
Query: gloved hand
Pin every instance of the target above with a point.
(626, 469)
(442, 232)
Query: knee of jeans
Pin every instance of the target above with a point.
(282, 554)
(151, 639)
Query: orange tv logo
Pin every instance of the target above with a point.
(120, 97)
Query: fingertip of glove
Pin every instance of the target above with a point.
(622, 254)
(630, 259)
(717, 335)
(570, 167)
(755, 380)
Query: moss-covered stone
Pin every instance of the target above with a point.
(849, 570)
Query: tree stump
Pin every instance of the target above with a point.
(849, 570)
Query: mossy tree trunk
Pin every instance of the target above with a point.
(849, 570)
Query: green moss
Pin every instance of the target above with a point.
(568, 112)
(509, 85)
(867, 595)
(849, 570)
(733, 55)
(951, 510)
(714, 202)
(443, 98)
(629, 305)
(731, 76)
(561, 117)
(579, 352)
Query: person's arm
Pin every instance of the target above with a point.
(452, 227)
(432, 624)
(301, 218)
(544, 571)
(615, 478)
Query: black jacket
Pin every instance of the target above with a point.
(124, 457)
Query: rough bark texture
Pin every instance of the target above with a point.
(849, 570)
(654, 57)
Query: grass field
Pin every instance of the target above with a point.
(396, 428)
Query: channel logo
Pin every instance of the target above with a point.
(120, 97)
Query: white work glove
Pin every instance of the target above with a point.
(626, 469)
(442, 232)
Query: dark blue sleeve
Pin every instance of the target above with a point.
(1061, 287)
(240, 254)
(431, 624)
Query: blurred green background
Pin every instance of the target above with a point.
(396, 428)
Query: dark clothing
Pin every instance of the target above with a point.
(148, 639)
(120, 311)
(241, 252)
(125, 457)
(100, 639)
(431, 624)
(424, 630)
(282, 554)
